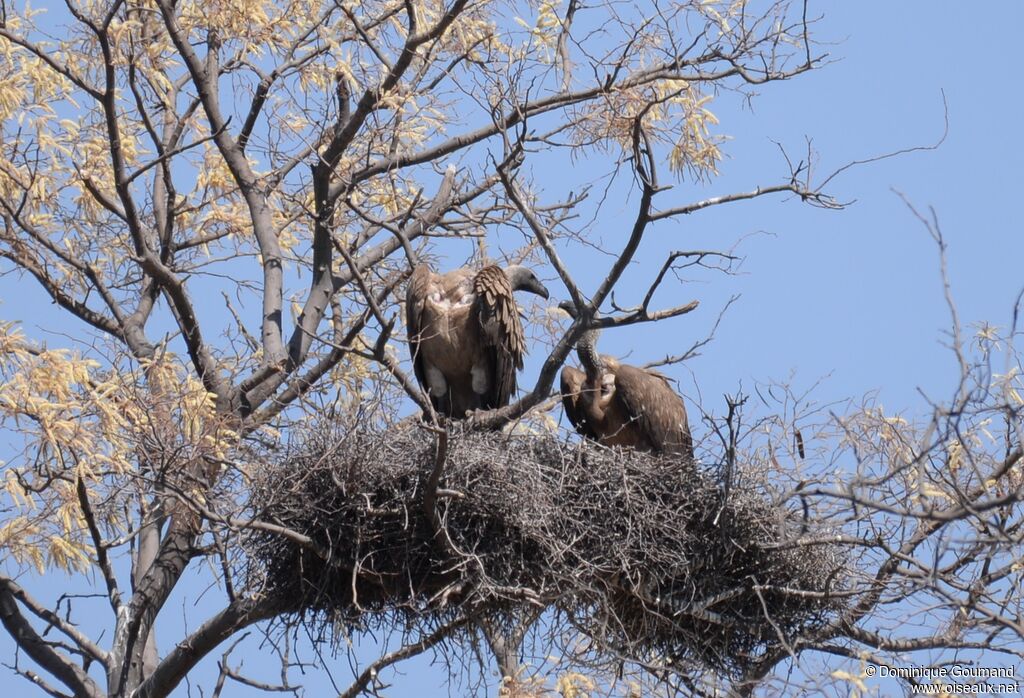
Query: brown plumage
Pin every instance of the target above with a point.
(465, 335)
(621, 405)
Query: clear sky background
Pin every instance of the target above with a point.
(854, 294)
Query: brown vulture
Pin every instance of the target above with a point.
(620, 405)
(465, 335)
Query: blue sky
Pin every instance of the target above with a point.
(852, 294)
(857, 293)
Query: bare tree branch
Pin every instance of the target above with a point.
(41, 651)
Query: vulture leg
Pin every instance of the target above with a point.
(462, 402)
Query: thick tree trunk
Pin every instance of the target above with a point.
(149, 545)
(159, 565)
(505, 647)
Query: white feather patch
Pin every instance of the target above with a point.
(435, 379)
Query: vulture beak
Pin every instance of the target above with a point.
(537, 287)
(569, 308)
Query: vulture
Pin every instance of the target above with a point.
(465, 335)
(621, 405)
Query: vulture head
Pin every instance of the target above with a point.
(523, 279)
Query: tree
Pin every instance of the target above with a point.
(160, 157)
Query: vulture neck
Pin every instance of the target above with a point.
(586, 350)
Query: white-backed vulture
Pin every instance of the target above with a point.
(621, 405)
(465, 335)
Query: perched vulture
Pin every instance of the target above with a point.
(621, 405)
(465, 335)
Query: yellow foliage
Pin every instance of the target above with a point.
(857, 680)
(1009, 384)
(575, 685)
(546, 27)
(67, 554)
(519, 687)
(678, 118)
(79, 422)
(723, 18)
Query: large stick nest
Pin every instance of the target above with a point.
(648, 556)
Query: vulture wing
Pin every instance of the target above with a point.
(572, 388)
(502, 333)
(415, 301)
(655, 408)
